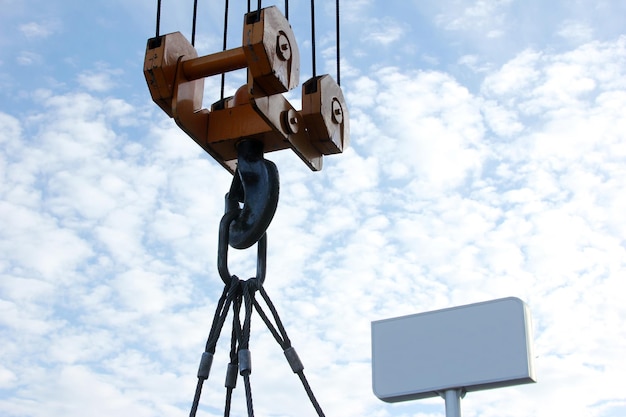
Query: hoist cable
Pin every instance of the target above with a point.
(287, 9)
(338, 44)
(193, 24)
(158, 18)
(224, 43)
(313, 38)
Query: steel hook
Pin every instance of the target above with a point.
(254, 191)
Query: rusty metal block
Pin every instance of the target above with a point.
(175, 76)
(160, 63)
(325, 114)
(272, 52)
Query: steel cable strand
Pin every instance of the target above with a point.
(269, 324)
(196, 398)
(231, 373)
(249, 287)
(224, 44)
(221, 312)
(313, 63)
(248, 388)
(158, 19)
(309, 392)
(193, 24)
(234, 291)
(338, 43)
(285, 343)
(229, 397)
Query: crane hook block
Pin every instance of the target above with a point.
(175, 76)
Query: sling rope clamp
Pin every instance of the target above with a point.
(175, 76)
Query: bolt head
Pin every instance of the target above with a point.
(291, 121)
(337, 111)
(283, 49)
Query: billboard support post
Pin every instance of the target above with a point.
(452, 399)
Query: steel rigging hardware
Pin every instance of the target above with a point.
(236, 131)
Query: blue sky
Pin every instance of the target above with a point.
(487, 160)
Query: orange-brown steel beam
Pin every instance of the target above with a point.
(214, 64)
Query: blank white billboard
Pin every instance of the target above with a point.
(477, 346)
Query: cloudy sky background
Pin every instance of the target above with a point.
(488, 159)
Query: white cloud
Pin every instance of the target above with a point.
(539, 83)
(99, 80)
(576, 31)
(474, 63)
(502, 121)
(432, 127)
(539, 225)
(7, 378)
(446, 196)
(515, 75)
(476, 16)
(385, 31)
(35, 30)
(354, 9)
(27, 58)
(11, 128)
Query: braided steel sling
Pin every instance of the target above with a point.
(238, 293)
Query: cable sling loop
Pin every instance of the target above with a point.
(237, 295)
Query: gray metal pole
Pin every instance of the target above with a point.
(453, 402)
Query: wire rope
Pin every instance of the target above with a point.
(338, 43)
(224, 44)
(158, 18)
(193, 24)
(313, 64)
